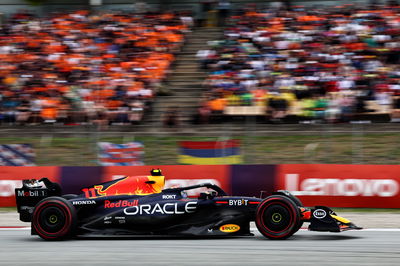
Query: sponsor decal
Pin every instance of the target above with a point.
(319, 213)
(238, 202)
(341, 187)
(120, 219)
(121, 203)
(27, 208)
(31, 193)
(129, 185)
(168, 196)
(167, 208)
(107, 220)
(229, 228)
(83, 202)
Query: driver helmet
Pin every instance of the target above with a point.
(156, 172)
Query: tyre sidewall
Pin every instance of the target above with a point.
(63, 206)
(291, 208)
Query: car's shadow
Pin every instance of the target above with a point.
(137, 237)
(333, 237)
(129, 237)
(300, 237)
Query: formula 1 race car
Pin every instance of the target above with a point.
(139, 205)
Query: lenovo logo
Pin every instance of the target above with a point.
(341, 187)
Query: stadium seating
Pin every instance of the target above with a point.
(338, 65)
(78, 67)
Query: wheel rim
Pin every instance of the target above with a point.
(52, 219)
(277, 218)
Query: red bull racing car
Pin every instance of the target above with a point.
(139, 205)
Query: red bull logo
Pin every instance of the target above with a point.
(135, 185)
(121, 203)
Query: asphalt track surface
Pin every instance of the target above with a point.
(365, 247)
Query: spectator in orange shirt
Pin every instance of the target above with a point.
(110, 61)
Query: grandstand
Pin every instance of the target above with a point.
(120, 71)
(184, 83)
(111, 75)
(305, 64)
(81, 67)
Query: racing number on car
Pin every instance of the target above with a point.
(89, 192)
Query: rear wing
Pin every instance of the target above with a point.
(31, 192)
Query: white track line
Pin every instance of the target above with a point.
(381, 229)
(14, 228)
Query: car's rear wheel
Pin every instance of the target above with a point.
(277, 217)
(54, 218)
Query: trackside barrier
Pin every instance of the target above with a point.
(373, 186)
(364, 186)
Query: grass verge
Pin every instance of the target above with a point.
(8, 209)
(81, 150)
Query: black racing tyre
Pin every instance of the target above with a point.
(298, 204)
(277, 217)
(296, 200)
(54, 218)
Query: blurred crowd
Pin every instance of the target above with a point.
(316, 64)
(78, 67)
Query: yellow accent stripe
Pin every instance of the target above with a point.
(186, 159)
(340, 219)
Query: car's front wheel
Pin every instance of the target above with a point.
(54, 218)
(277, 217)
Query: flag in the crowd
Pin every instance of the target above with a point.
(210, 152)
(17, 155)
(111, 154)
